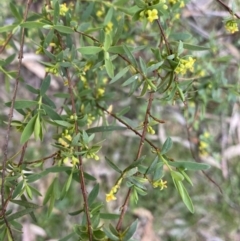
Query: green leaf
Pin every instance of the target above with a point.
(51, 113)
(63, 123)
(137, 162)
(76, 212)
(56, 11)
(63, 29)
(109, 68)
(18, 189)
(66, 238)
(191, 166)
(118, 34)
(107, 42)
(109, 216)
(37, 127)
(130, 80)
(45, 85)
(29, 192)
(20, 214)
(158, 171)
(119, 75)
(93, 194)
(21, 104)
(105, 129)
(69, 181)
(177, 176)
(183, 36)
(130, 231)
(143, 66)
(108, 16)
(15, 12)
(28, 130)
(32, 24)
(7, 28)
(89, 50)
(154, 66)
(35, 177)
(110, 235)
(123, 111)
(186, 176)
(194, 47)
(131, 172)
(140, 3)
(32, 89)
(185, 196)
(130, 55)
(167, 145)
(25, 204)
(151, 168)
(112, 165)
(49, 192)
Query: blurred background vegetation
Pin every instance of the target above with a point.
(206, 129)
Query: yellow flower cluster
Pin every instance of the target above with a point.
(74, 160)
(160, 183)
(62, 140)
(93, 155)
(173, 2)
(203, 144)
(150, 130)
(184, 65)
(108, 28)
(63, 9)
(100, 92)
(152, 15)
(231, 26)
(110, 196)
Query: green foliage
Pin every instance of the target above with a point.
(100, 54)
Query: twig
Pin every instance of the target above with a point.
(10, 115)
(128, 126)
(144, 132)
(6, 42)
(43, 159)
(228, 9)
(164, 37)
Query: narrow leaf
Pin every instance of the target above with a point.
(119, 75)
(28, 130)
(166, 146)
(105, 129)
(93, 194)
(90, 50)
(112, 165)
(19, 214)
(63, 29)
(45, 85)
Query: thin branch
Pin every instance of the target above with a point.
(10, 115)
(164, 37)
(228, 9)
(129, 127)
(43, 159)
(144, 132)
(6, 42)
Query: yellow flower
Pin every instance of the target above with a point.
(63, 9)
(100, 92)
(231, 26)
(110, 196)
(99, 13)
(185, 65)
(182, 4)
(152, 15)
(108, 27)
(160, 183)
